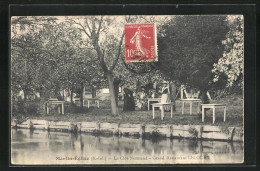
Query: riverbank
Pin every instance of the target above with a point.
(199, 132)
(140, 123)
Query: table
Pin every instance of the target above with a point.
(158, 100)
(162, 105)
(95, 100)
(214, 107)
(191, 101)
(60, 106)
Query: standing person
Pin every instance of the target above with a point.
(129, 103)
(165, 94)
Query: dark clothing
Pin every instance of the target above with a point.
(129, 103)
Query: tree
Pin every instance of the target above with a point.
(188, 48)
(48, 54)
(27, 54)
(231, 64)
(107, 51)
(70, 52)
(100, 34)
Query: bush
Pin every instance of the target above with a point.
(32, 108)
(18, 108)
(22, 109)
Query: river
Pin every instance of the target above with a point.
(39, 147)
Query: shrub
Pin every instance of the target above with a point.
(22, 109)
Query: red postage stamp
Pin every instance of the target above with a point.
(141, 42)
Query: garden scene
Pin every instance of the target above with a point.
(74, 59)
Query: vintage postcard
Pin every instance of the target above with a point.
(127, 89)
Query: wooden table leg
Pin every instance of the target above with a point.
(162, 112)
(59, 109)
(225, 114)
(182, 107)
(148, 105)
(62, 109)
(153, 112)
(88, 103)
(202, 113)
(213, 115)
(98, 103)
(190, 107)
(171, 110)
(198, 107)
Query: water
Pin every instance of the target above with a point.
(43, 147)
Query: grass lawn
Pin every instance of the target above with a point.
(103, 114)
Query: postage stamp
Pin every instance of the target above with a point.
(140, 42)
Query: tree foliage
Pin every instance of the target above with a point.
(47, 56)
(231, 64)
(189, 46)
(56, 53)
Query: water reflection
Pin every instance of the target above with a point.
(43, 147)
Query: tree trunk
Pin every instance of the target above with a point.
(204, 99)
(25, 95)
(93, 91)
(116, 87)
(42, 103)
(71, 96)
(173, 94)
(122, 92)
(81, 94)
(181, 91)
(63, 95)
(58, 95)
(114, 107)
(203, 96)
(138, 85)
(156, 87)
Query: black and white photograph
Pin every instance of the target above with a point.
(127, 89)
